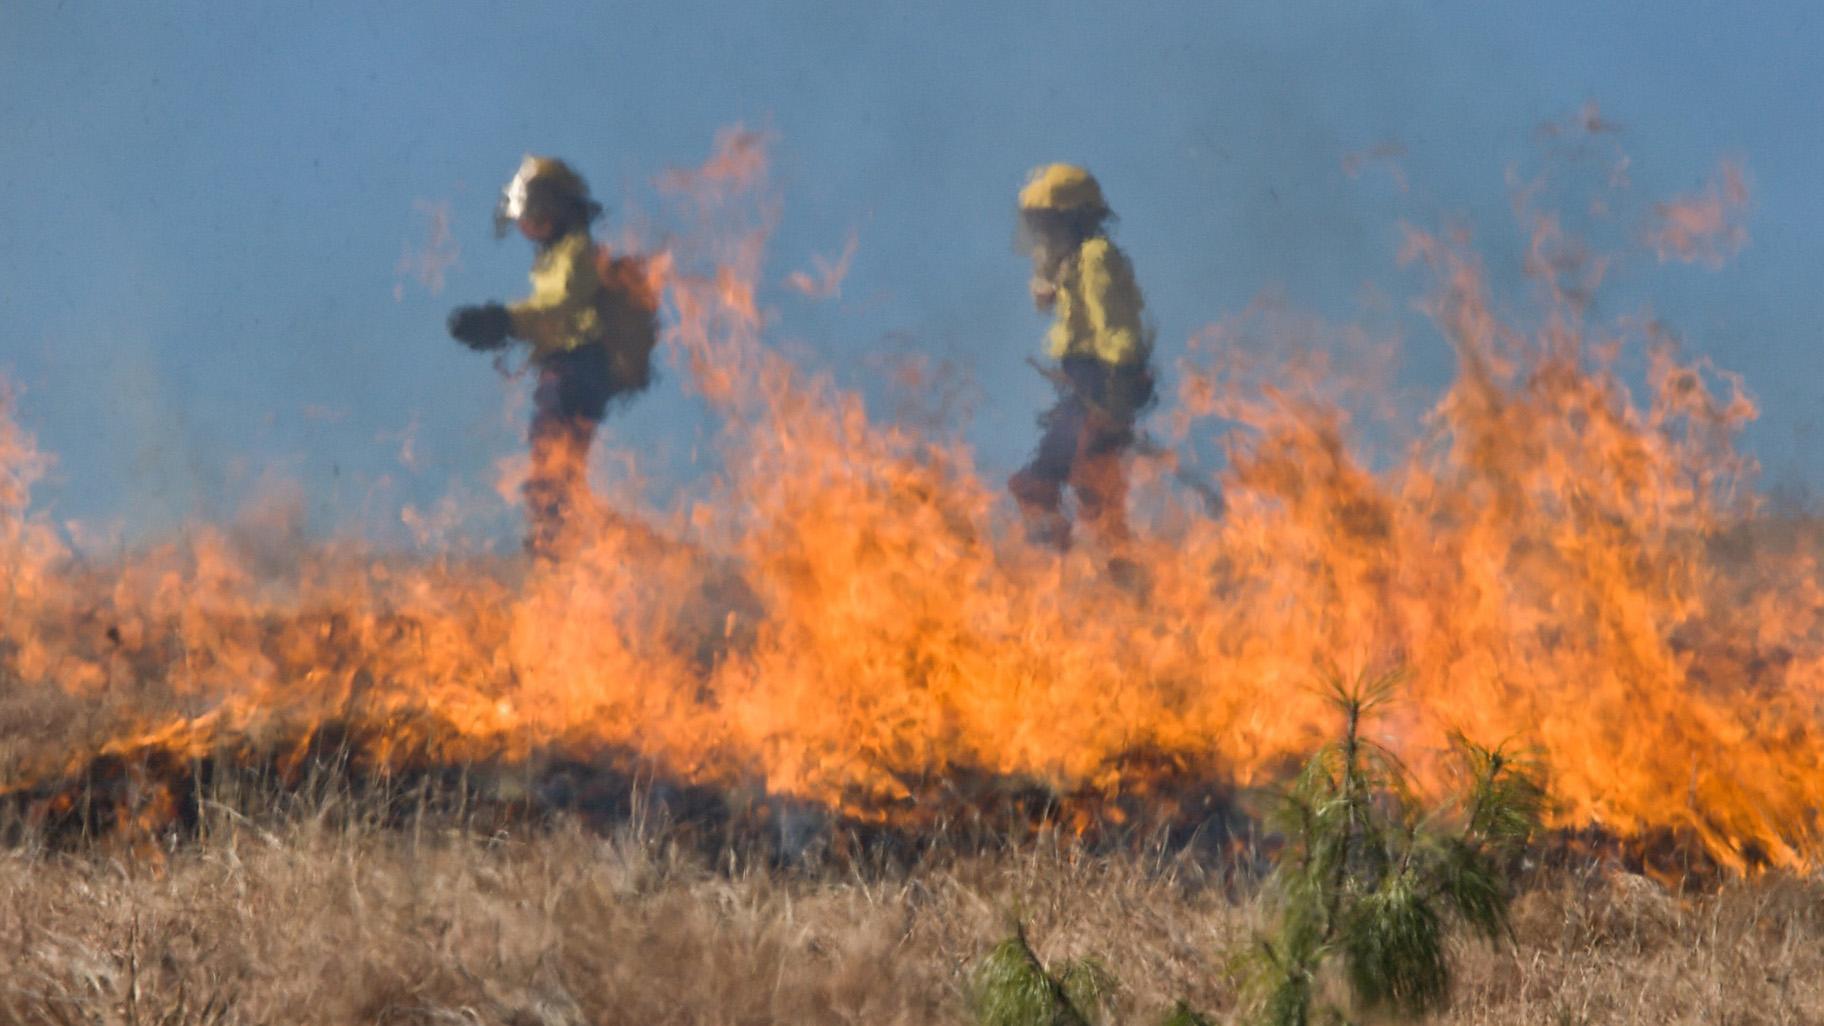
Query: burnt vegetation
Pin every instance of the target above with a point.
(346, 767)
(307, 879)
(244, 782)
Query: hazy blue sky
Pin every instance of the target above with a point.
(202, 206)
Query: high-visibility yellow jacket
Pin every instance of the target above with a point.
(564, 310)
(583, 295)
(1098, 308)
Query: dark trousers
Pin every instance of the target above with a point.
(1082, 447)
(568, 403)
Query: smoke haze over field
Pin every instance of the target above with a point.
(1475, 312)
(206, 206)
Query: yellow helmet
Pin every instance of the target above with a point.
(1061, 187)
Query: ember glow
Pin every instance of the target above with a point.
(848, 617)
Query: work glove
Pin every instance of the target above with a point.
(481, 327)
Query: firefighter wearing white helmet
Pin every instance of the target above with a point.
(1102, 347)
(590, 322)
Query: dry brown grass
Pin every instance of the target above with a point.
(325, 920)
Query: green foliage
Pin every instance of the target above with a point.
(1369, 884)
(1370, 879)
(1184, 1015)
(1011, 987)
(1392, 941)
(1088, 984)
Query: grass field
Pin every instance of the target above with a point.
(329, 917)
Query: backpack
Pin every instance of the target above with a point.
(629, 308)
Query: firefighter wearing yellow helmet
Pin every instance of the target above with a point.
(590, 322)
(1103, 350)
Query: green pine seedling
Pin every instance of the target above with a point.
(1184, 1015)
(1012, 987)
(1371, 883)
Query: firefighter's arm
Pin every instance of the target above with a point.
(1111, 302)
(563, 288)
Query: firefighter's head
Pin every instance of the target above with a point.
(546, 200)
(1060, 206)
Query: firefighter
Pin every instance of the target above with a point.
(1102, 351)
(591, 322)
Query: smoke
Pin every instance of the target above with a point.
(1705, 227)
(1387, 155)
(844, 617)
(427, 260)
(824, 281)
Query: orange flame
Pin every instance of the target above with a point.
(848, 617)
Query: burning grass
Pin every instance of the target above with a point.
(1565, 554)
(322, 885)
(866, 721)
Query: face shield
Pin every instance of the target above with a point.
(1050, 236)
(1044, 236)
(1026, 231)
(512, 205)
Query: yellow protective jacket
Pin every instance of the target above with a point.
(1098, 308)
(565, 308)
(581, 296)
